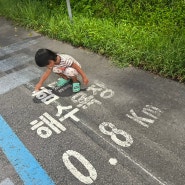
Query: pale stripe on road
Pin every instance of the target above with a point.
(18, 78)
(17, 46)
(14, 61)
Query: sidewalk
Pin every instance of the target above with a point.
(146, 106)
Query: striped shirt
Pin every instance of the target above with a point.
(66, 61)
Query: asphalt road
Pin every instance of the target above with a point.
(125, 127)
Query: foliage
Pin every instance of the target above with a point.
(147, 34)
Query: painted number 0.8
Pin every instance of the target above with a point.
(92, 171)
(114, 132)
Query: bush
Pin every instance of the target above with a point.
(147, 34)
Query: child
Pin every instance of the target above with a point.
(63, 65)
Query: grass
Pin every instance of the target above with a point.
(151, 40)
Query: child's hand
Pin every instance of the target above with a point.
(37, 87)
(85, 81)
(34, 93)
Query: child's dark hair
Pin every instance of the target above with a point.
(43, 56)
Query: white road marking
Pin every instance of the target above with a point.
(7, 181)
(114, 131)
(45, 95)
(113, 161)
(139, 120)
(18, 78)
(83, 178)
(119, 150)
(126, 156)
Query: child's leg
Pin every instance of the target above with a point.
(72, 74)
(63, 76)
(74, 79)
(76, 84)
(62, 81)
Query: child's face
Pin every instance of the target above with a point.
(57, 60)
(51, 64)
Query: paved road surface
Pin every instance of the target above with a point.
(126, 127)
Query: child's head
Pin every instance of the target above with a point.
(44, 56)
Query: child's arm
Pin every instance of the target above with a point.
(81, 72)
(42, 79)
